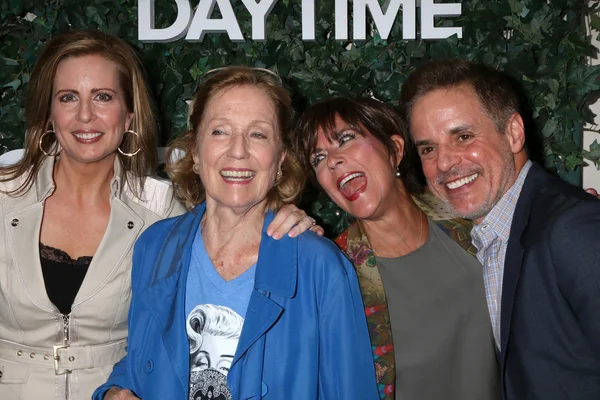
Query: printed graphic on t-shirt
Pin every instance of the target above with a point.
(213, 332)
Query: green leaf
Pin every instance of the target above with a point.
(416, 48)
(550, 128)
(595, 22)
(9, 62)
(594, 152)
(573, 161)
(14, 85)
(584, 79)
(303, 75)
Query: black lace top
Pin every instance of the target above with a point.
(62, 276)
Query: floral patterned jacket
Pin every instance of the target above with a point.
(355, 244)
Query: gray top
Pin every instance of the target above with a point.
(440, 323)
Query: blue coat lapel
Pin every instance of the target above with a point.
(276, 273)
(246, 374)
(166, 293)
(277, 267)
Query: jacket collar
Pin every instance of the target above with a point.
(536, 178)
(359, 250)
(534, 181)
(44, 182)
(276, 277)
(277, 267)
(118, 180)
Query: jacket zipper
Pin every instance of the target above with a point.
(66, 341)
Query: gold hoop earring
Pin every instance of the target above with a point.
(135, 152)
(57, 146)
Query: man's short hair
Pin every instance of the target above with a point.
(496, 93)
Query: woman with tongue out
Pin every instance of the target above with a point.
(423, 292)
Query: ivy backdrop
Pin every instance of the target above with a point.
(542, 45)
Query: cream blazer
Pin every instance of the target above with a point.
(36, 362)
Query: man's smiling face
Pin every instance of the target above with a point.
(468, 163)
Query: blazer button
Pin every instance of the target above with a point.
(148, 366)
(265, 389)
(130, 225)
(14, 222)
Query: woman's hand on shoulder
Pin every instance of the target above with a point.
(116, 393)
(293, 221)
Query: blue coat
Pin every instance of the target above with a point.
(304, 337)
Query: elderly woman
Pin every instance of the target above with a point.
(304, 334)
(73, 207)
(423, 294)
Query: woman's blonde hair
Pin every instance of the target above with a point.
(187, 183)
(39, 97)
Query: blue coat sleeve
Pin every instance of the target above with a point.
(121, 375)
(575, 251)
(347, 369)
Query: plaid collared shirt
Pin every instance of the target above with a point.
(491, 240)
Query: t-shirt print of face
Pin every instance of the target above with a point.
(213, 333)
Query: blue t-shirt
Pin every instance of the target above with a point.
(215, 310)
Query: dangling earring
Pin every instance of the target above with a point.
(398, 173)
(279, 174)
(196, 169)
(135, 152)
(57, 145)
